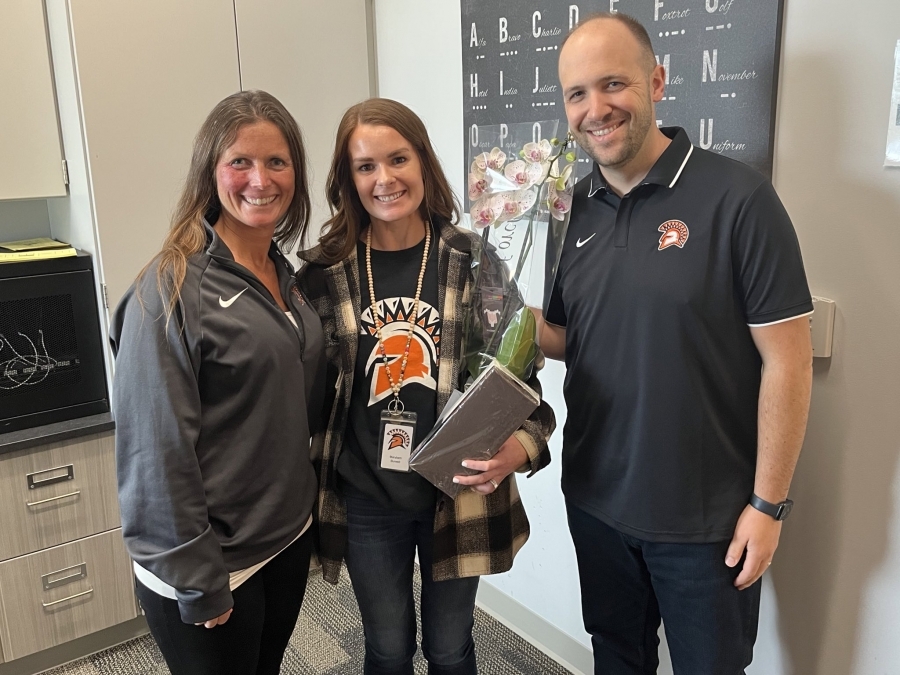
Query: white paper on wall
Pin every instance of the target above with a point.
(892, 152)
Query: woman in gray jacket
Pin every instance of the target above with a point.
(219, 369)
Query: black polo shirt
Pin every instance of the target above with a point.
(657, 291)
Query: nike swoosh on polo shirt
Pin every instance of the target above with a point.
(579, 243)
(230, 301)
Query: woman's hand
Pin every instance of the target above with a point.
(218, 621)
(509, 457)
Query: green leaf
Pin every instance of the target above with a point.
(518, 348)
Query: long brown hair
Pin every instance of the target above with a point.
(199, 197)
(348, 217)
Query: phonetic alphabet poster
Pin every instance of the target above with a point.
(721, 59)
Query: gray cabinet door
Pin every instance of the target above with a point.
(29, 130)
(58, 493)
(148, 75)
(63, 593)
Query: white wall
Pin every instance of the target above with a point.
(831, 603)
(837, 575)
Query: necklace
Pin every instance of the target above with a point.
(395, 407)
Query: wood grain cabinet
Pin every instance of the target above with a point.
(63, 593)
(64, 571)
(57, 493)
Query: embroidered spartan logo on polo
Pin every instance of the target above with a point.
(675, 233)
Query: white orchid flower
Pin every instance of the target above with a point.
(486, 211)
(515, 204)
(478, 185)
(559, 201)
(537, 153)
(496, 159)
(524, 174)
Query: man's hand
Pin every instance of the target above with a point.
(218, 621)
(758, 534)
(509, 457)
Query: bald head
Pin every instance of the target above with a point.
(600, 21)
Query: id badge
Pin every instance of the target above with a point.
(398, 432)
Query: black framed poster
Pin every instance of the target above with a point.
(721, 59)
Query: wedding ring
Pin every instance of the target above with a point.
(494, 483)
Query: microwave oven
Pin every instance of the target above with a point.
(51, 355)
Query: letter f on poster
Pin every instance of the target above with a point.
(892, 152)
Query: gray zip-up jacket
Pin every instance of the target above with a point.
(213, 421)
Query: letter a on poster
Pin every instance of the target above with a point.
(892, 152)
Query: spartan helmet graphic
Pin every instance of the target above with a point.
(397, 441)
(675, 233)
(418, 364)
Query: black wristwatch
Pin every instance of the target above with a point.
(778, 511)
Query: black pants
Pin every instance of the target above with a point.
(253, 640)
(628, 585)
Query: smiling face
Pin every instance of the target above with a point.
(255, 179)
(609, 85)
(387, 174)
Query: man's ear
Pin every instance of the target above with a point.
(657, 83)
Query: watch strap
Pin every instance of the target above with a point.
(777, 511)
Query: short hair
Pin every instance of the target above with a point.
(635, 27)
(349, 216)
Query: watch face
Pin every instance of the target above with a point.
(784, 509)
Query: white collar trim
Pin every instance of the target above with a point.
(683, 164)
(592, 190)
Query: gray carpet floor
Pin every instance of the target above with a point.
(328, 640)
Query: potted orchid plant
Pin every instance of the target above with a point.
(520, 196)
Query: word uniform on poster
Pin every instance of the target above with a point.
(721, 59)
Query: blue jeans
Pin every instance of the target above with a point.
(628, 585)
(380, 553)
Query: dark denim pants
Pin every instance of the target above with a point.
(628, 585)
(381, 549)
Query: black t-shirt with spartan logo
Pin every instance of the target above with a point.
(395, 275)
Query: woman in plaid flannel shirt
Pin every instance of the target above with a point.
(389, 253)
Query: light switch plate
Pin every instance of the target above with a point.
(821, 326)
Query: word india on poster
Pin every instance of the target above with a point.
(892, 152)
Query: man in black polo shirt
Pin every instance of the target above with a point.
(679, 308)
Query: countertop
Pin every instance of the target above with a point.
(53, 433)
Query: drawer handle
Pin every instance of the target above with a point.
(53, 499)
(49, 582)
(71, 597)
(34, 483)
